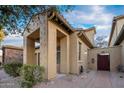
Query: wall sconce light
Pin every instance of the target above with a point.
(85, 52)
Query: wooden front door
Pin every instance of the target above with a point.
(103, 62)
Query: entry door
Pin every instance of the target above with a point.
(103, 62)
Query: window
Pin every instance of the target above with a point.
(79, 51)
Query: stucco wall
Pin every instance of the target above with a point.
(115, 57)
(83, 62)
(113, 37)
(117, 30)
(90, 35)
(122, 52)
(75, 63)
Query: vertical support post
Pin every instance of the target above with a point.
(29, 51)
(64, 65)
(44, 44)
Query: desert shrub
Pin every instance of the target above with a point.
(31, 74)
(26, 84)
(13, 68)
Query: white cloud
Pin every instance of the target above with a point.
(107, 38)
(96, 16)
(13, 39)
(103, 27)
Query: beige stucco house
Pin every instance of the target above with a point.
(51, 42)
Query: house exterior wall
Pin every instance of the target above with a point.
(83, 60)
(12, 55)
(119, 24)
(90, 35)
(115, 57)
(75, 63)
(69, 62)
(113, 37)
(122, 52)
(118, 27)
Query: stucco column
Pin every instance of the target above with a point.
(52, 41)
(44, 45)
(64, 63)
(29, 51)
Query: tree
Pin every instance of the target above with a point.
(2, 35)
(101, 41)
(14, 18)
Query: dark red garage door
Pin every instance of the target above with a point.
(103, 62)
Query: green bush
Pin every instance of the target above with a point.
(13, 68)
(26, 84)
(31, 74)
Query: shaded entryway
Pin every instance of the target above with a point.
(103, 62)
(61, 52)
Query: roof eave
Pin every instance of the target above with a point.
(84, 38)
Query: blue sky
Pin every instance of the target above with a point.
(83, 17)
(98, 16)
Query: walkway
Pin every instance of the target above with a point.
(93, 79)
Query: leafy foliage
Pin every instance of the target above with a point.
(31, 74)
(13, 17)
(13, 68)
(2, 36)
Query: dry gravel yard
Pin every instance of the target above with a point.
(8, 82)
(93, 79)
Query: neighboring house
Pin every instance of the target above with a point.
(62, 49)
(109, 58)
(12, 54)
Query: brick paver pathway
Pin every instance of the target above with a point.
(93, 79)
